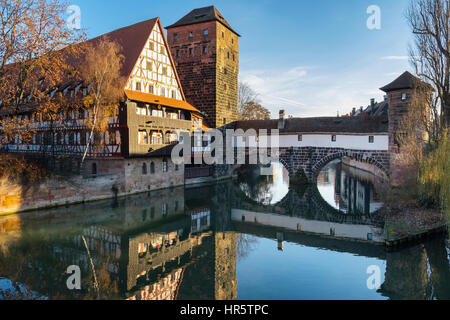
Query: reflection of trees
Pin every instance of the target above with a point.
(255, 186)
(419, 272)
(245, 244)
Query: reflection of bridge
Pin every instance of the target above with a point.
(163, 254)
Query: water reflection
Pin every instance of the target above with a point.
(193, 244)
(266, 190)
(348, 189)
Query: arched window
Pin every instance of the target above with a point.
(144, 168)
(152, 168)
(94, 168)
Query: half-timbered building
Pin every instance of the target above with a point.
(153, 113)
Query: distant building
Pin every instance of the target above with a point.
(206, 53)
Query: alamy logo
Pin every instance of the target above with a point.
(374, 20)
(74, 19)
(374, 280)
(74, 280)
(240, 147)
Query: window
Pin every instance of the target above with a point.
(142, 137)
(178, 53)
(152, 46)
(144, 169)
(191, 35)
(205, 32)
(191, 52)
(164, 165)
(175, 36)
(149, 65)
(164, 209)
(205, 50)
(300, 137)
(152, 168)
(174, 94)
(112, 138)
(371, 139)
(223, 35)
(404, 96)
(163, 92)
(333, 138)
(177, 167)
(150, 89)
(164, 71)
(162, 50)
(224, 121)
(138, 86)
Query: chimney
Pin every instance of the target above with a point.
(372, 102)
(282, 120)
(353, 111)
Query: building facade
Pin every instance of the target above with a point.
(206, 53)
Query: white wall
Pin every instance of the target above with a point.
(356, 142)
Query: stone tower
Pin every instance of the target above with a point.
(206, 53)
(400, 94)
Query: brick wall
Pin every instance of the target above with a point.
(208, 67)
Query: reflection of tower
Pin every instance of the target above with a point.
(225, 286)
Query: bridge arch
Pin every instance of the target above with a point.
(318, 166)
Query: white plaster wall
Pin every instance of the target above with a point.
(356, 142)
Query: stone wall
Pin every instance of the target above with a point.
(114, 177)
(312, 160)
(208, 67)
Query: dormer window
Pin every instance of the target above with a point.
(404, 96)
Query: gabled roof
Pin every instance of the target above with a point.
(405, 81)
(132, 39)
(202, 15)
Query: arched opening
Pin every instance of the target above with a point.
(152, 168)
(144, 168)
(349, 189)
(265, 185)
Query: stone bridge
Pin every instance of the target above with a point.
(311, 143)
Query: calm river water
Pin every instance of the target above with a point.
(252, 238)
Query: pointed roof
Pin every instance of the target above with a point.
(405, 81)
(132, 39)
(202, 15)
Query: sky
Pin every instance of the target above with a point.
(308, 57)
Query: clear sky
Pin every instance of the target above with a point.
(309, 57)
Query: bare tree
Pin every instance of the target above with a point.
(245, 95)
(430, 56)
(101, 73)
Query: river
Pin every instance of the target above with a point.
(253, 238)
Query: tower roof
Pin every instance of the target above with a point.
(405, 81)
(202, 15)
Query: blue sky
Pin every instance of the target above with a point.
(311, 58)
